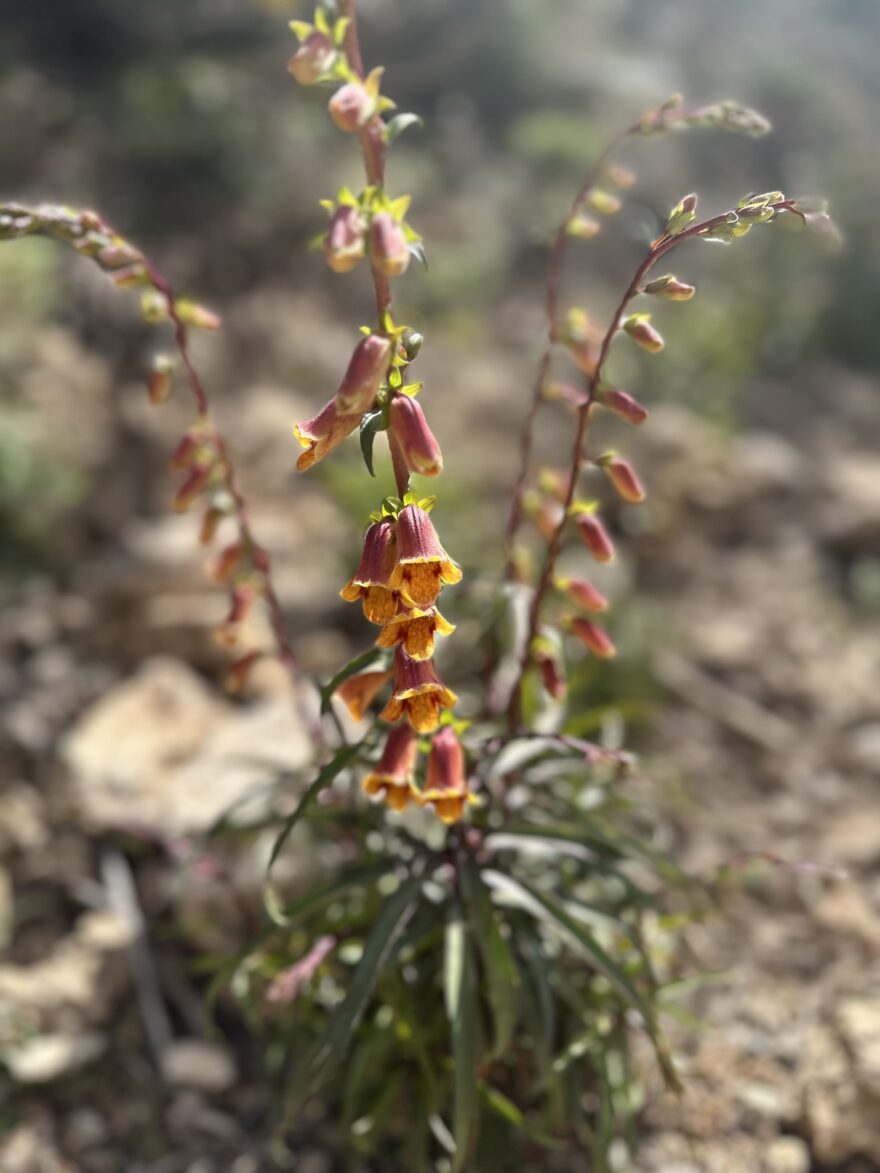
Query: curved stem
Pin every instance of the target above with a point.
(662, 245)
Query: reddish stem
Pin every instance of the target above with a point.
(662, 245)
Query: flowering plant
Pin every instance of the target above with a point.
(461, 987)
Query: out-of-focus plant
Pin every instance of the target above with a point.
(459, 990)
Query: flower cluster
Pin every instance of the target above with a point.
(403, 566)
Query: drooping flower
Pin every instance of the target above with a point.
(363, 376)
(392, 777)
(352, 106)
(358, 692)
(417, 443)
(322, 433)
(313, 59)
(418, 694)
(344, 242)
(389, 251)
(423, 566)
(415, 631)
(446, 786)
(372, 582)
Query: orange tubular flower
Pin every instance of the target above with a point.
(322, 433)
(418, 694)
(417, 443)
(422, 563)
(392, 777)
(358, 692)
(372, 580)
(446, 787)
(415, 631)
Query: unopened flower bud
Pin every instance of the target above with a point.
(186, 452)
(681, 215)
(344, 242)
(624, 478)
(352, 106)
(210, 524)
(566, 393)
(583, 593)
(583, 227)
(550, 666)
(313, 59)
(670, 288)
(228, 562)
(366, 370)
(159, 383)
(553, 483)
(641, 331)
(417, 443)
(620, 176)
(594, 638)
(595, 537)
(241, 599)
(623, 404)
(198, 316)
(239, 672)
(604, 202)
(412, 344)
(389, 251)
(192, 487)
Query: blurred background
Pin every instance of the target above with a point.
(748, 591)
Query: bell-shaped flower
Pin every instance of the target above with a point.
(417, 443)
(423, 566)
(446, 786)
(415, 631)
(392, 777)
(366, 369)
(372, 582)
(359, 691)
(322, 433)
(418, 694)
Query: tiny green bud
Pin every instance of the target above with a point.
(412, 344)
(681, 215)
(583, 227)
(604, 202)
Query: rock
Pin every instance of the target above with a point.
(786, 1154)
(850, 518)
(845, 909)
(198, 1064)
(162, 752)
(858, 1020)
(852, 839)
(47, 1057)
(29, 1148)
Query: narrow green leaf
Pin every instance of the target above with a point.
(372, 423)
(544, 907)
(358, 664)
(502, 976)
(461, 1010)
(286, 915)
(325, 776)
(398, 124)
(379, 949)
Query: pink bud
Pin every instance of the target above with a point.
(185, 452)
(595, 537)
(313, 59)
(583, 593)
(623, 404)
(241, 599)
(159, 383)
(210, 525)
(624, 478)
(228, 562)
(594, 638)
(192, 487)
(344, 242)
(351, 107)
(417, 443)
(389, 251)
(670, 288)
(366, 370)
(552, 671)
(642, 332)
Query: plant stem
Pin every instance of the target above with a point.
(555, 267)
(662, 245)
(374, 151)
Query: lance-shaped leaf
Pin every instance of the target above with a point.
(372, 423)
(461, 1010)
(502, 980)
(325, 776)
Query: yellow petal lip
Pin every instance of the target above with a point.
(351, 592)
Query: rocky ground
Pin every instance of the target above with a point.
(761, 564)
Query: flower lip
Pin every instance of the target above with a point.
(415, 629)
